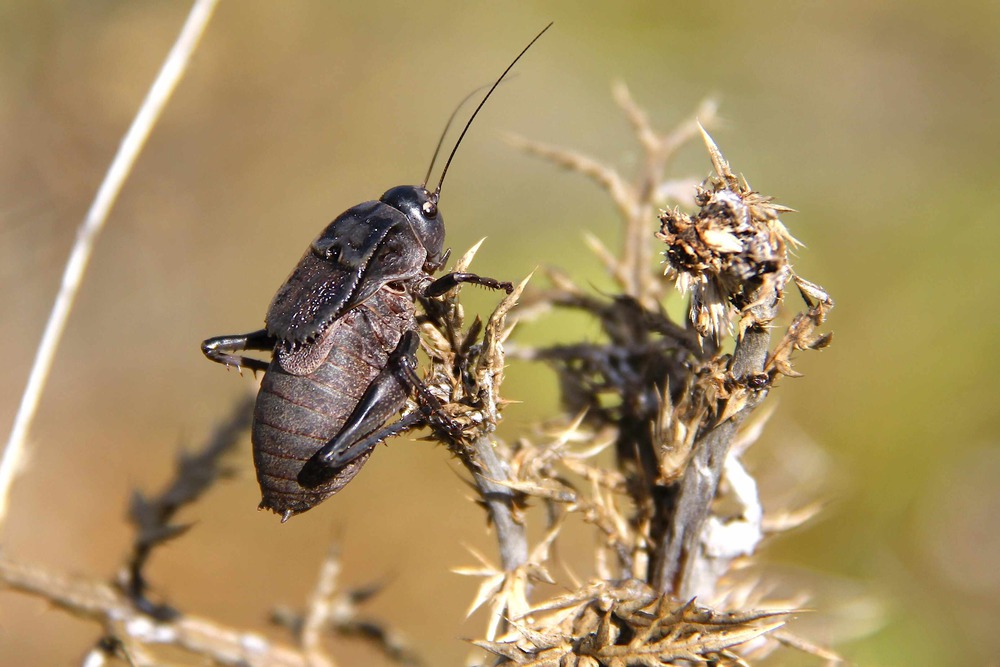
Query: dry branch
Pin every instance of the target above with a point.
(134, 626)
(114, 611)
(467, 376)
(142, 125)
(152, 516)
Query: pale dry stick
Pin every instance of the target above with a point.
(635, 201)
(218, 644)
(606, 177)
(156, 99)
(320, 609)
(658, 149)
(637, 251)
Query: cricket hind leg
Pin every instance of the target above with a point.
(365, 427)
(220, 349)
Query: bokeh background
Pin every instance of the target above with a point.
(877, 121)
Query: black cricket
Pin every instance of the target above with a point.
(342, 334)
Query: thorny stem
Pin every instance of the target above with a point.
(160, 92)
(499, 501)
(488, 470)
(689, 506)
(152, 516)
(679, 509)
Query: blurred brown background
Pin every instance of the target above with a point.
(878, 121)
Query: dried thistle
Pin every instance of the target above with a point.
(466, 376)
(679, 509)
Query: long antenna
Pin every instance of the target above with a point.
(444, 172)
(447, 126)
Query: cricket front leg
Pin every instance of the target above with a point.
(450, 280)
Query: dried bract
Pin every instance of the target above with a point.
(627, 624)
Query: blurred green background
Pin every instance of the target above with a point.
(877, 121)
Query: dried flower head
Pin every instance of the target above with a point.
(724, 252)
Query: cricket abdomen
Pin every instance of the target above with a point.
(296, 413)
